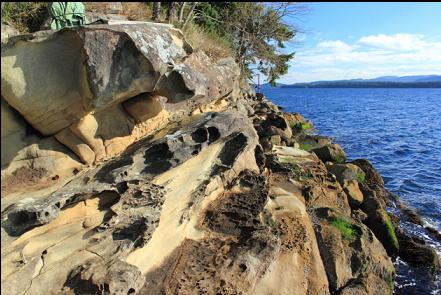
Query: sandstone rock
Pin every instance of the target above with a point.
(333, 153)
(373, 180)
(309, 142)
(143, 107)
(142, 65)
(81, 105)
(114, 278)
(346, 172)
(355, 196)
(198, 206)
(13, 133)
(417, 253)
(75, 144)
(348, 175)
(350, 251)
(25, 154)
(368, 284)
(288, 218)
(8, 31)
(379, 222)
(275, 140)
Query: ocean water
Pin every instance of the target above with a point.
(399, 131)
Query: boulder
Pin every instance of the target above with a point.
(120, 61)
(351, 252)
(8, 31)
(379, 222)
(134, 75)
(346, 172)
(417, 253)
(29, 160)
(373, 180)
(143, 106)
(349, 175)
(13, 133)
(355, 196)
(332, 153)
(313, 141)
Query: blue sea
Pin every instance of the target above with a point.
(398, 130)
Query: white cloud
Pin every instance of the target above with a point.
(395, 42)
(336, 45)
(369, 57)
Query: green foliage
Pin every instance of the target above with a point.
(346, 229)
(256, 31)
(24, 16)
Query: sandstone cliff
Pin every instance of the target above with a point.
(133, 165)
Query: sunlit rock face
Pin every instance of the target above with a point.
(134, 165)
(98, 89)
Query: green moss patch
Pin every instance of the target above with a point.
(347, 230)
(306, 146)
(391, 231)
(361, 177)
(300, 126)
(340, 159)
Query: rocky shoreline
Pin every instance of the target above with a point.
(207, 188)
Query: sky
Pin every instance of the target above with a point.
(365, 40)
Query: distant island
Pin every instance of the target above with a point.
(422, 81)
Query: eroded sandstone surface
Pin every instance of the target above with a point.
(142, 167)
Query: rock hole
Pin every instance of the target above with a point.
(131, 291)
(213, 134)
(122, 187)
(232, 149)
(200, 135)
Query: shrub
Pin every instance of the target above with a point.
(135, 11)
(24, 16)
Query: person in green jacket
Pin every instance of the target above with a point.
(67, 14)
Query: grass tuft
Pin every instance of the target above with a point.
(213, 45)
(300, 126)
(346, 229)
(306, 146)
(361, 177)
(24, 16)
